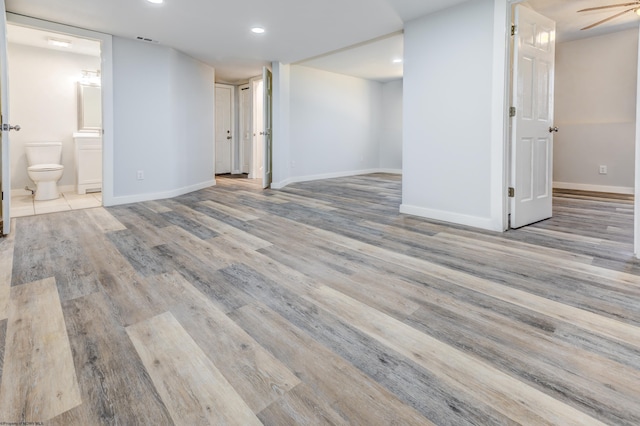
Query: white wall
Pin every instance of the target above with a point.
(595, 109)
(192, 118)
(453, 108)
(390, 155)
(163, 122)
(43, 101)
(335, 124)
(281, 126)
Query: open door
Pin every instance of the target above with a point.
(5, 175)
(532, 128)
(267, 79)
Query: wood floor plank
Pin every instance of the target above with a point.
(230, 211)
(3, 339)
(145, 227)
(528, 404)
(256, 375)
(116, 389)
(6, 267)
(608, 327)
(137, 253)
(411, 384)
(321, 304)
(300, 406)
(193, 227)
(38, 378)
(104, 220)
(225, 230)
(365, 402)
(31, 255)
(192, 388)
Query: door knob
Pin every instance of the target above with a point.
(7, 127)
(553, 129)
(228, 137)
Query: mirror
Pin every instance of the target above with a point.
(89, 107)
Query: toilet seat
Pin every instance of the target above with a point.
(45, 167)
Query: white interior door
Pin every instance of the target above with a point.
(246, 131)
(532, 127)
(267, 79)
(224, 121)
(5, 171)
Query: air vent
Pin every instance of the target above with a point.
(148, 40)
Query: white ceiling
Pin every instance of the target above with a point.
(569, 21)
(373, 60)
(217, 32)
(38, 38)
(353, 37)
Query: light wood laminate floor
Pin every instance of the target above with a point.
(318, 304)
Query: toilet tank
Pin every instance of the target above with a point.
(44, 153)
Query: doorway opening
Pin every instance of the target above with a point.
(595, 113)
(243, 130)
(60, 103)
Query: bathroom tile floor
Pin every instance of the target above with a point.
(25, 205)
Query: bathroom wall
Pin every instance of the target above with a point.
(43, 101)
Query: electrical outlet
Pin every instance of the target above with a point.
(603, 170)
(140, 175)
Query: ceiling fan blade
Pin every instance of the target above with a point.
(609, 6)
(609, 18)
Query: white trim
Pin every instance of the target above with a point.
(247, 126)
(61, 188)
(456, 218)
(636, 204)
(282, 184)
(234, 139)
(128, 199)
(500, 135)
(594, 188)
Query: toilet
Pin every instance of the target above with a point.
(44, 169)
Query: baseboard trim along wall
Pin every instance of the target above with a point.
(457, 218)
(594, 188)
(295, 179)
(160, 195)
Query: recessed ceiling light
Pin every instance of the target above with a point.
(257, 30)
(58, 43)
(397, 61)
(156, 1)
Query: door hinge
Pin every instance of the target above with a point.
(512, 192)
(514, 30)
(512, 111)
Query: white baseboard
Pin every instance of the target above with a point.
(127, 199)
(457, 218)
(22, 191)
(594, 188)
(308, 178)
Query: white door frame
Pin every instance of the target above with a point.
(245, 127)
(233, 126)
(636, 186)
(256, 152)
(106, 73)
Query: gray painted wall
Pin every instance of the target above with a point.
(163, 121)
(595, 109)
